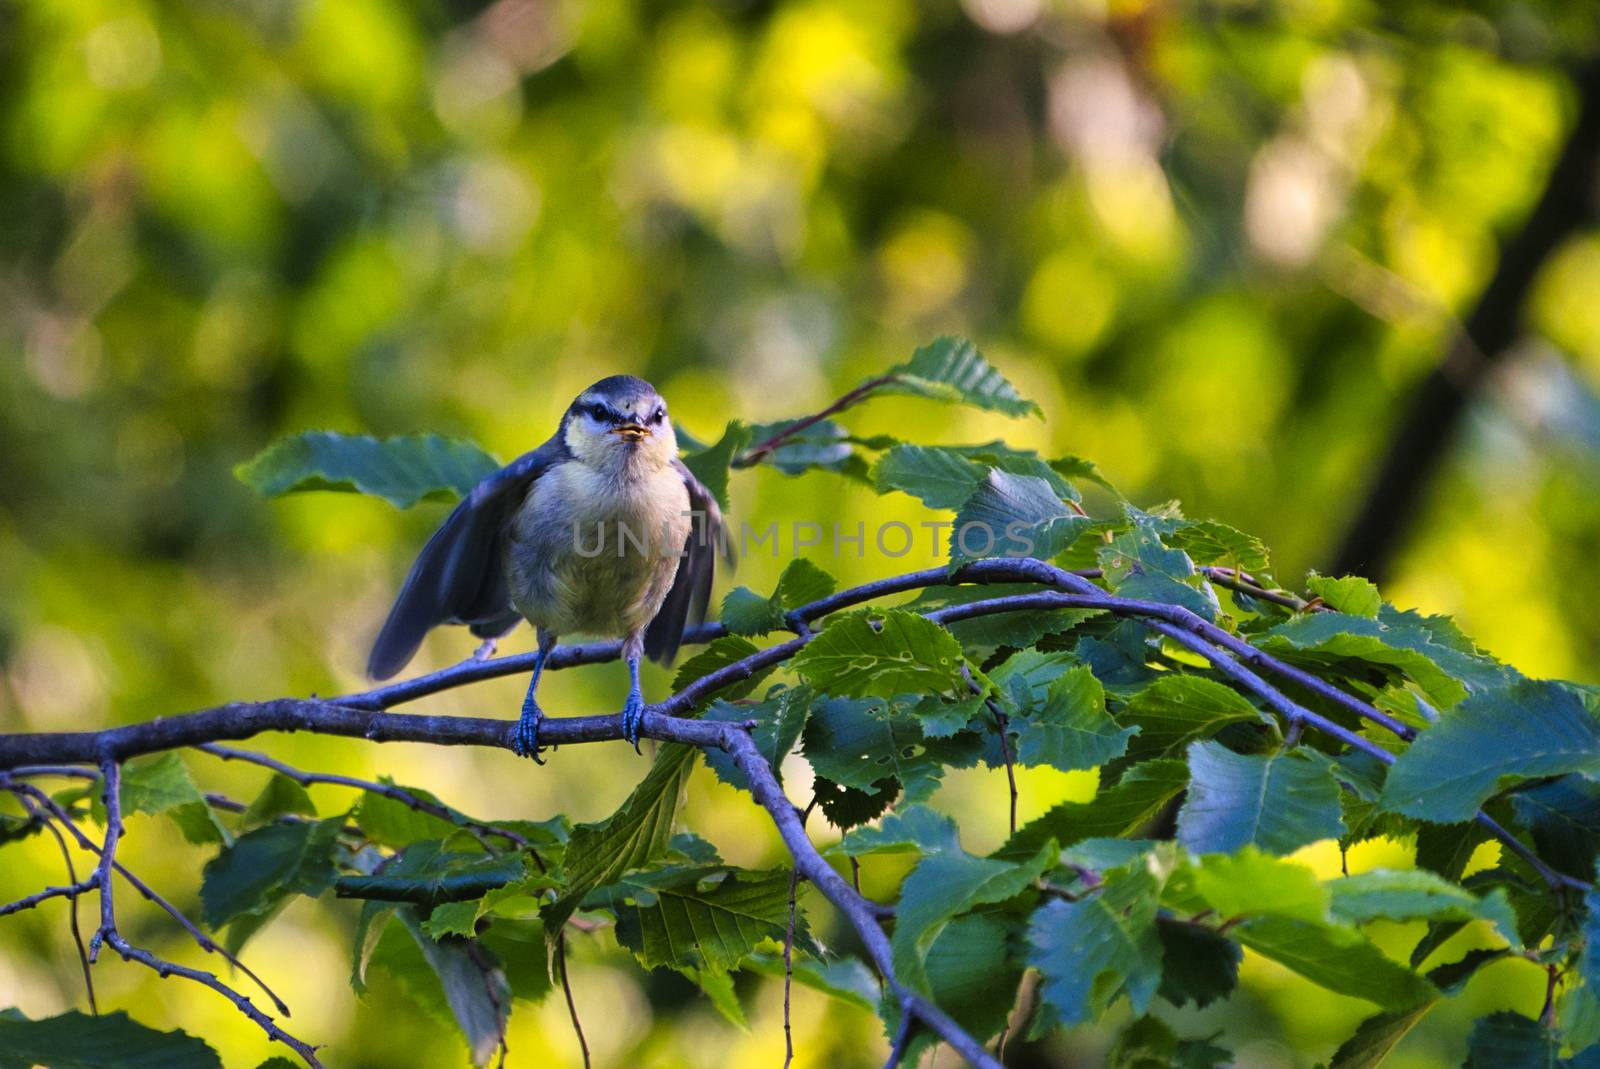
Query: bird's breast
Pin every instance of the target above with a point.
(589, 552)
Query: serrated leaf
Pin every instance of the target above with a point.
(1197, 964)
(1178, 709)
(1013, 516)
(744, 612)
(707, 928)
(944, 885)
(801, 583)
(939, 478)
(711, 465)
(779, 722)
(1338, 958)
(1071, 730)
(452, 918)
(952, 369)
(1278, 802)
(721, 652)
(1102, 946)
(972, 976)
(915, 828)
(824, 445)
(630, 838)
(862, 743)
(281, 796)
(402, 471)
(425, 874)
(1210, 542)
(894, 652)
(1137, 565)
(848, 807)
(1523, 731)
(1377, 1038)
(1512, 1041)
(162, 784)
(261, 868)
(1414, 894)
(1251, 883)
(391, 822)
(1114, 812)
(1564, 816)
(1394, 642)
(1350, 594)
(74, 1040)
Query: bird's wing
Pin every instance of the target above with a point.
(458, 577)
(691, 590)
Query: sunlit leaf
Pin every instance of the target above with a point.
(402, 470)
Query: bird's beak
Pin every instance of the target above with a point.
(631, 432)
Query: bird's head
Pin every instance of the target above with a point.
(620, 423)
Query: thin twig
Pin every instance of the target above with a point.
(72, 899)
(755, 453)
(387, 790)
(566, 987)
(788, 969)
(1002, 724)
(111, 781)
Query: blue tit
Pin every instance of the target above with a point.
(601, 530)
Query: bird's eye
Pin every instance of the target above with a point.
(599, 413)
(658, 415)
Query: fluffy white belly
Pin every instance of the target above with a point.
(595, 554)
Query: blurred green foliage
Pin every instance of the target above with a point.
(1216, 241)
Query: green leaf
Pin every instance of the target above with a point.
(1278, 802)
(1197, 964)
(1102, 946)
(1419, 647)
(391, 822)
(1178, 709)
(1210, 542)
(1564, 816)
(639, 831)
(720, 653)
(779, 721)
(744, 612)
(1072, 729)
(913, 829)
(402, 470)
(74, 1040)
(1150, 1043)
(1114, 812)
(281, 796)
(472, 983)
(718, 988)
(520, 946)
(1137, 565)
(939, 478)
(452, 918)
(1251, 883)
(1512, 1041)
(952, 369)
(709, 926)
(824, 445)
(711, 465)
(847, 979)
(1377, 1038)
(426, 874)
(945, 885)
(861, 743)
(1523, 731)
(1351, 594)
(881, 655)
(847, 807)
(1338, 958)
(1013, 516)
(162, 784)
(971, 976)
(1414, 894)
(261, 868)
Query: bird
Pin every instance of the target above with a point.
(602, 530)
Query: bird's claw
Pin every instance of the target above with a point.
(633, 718)
(486, 649)
(525, 738)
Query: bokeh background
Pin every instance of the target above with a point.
(1220, 242)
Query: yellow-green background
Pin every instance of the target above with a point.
(1218, 242)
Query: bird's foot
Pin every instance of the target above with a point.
(525, 739)
(633, 718)
(485, 649)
